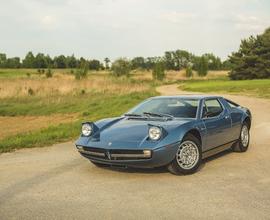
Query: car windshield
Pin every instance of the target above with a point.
(176, 107)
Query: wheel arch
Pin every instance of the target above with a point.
(195, 133)
(247, 119)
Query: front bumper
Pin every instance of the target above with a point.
(129, 157)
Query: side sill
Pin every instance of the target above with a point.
(217, 149)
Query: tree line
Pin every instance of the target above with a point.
(251, 61)
(42, 61)
(172, 60)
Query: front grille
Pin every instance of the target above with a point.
(100, 153)
(94, 152)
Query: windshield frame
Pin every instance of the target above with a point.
(131, 111)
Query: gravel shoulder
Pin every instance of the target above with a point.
(56, 182)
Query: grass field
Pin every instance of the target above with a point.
(256, 88)
(54, 109)
(38, 111)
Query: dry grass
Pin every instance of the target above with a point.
(62, 84)
(179, 75)
(14, 125)
(141, 75)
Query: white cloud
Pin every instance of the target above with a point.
(178, 17)
(250, 23)
(48, 20)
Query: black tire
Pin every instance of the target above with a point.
(99, 164)
(239, 146)
(175, 168)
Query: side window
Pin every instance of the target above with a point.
(212, 108)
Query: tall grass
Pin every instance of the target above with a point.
(65, 84)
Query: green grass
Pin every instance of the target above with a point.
(256, 88)
(47, 136)
(86, 104)
(17, 73)
(91, 108)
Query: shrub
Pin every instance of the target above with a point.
(81, 72)
(82, 92)
(121, 67)
(30, 91)
(189, 72)
(159, 71)
(49, 73)
(203, 66)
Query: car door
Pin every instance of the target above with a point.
(217, 121)
(236, 117)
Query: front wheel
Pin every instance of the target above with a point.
(188, 156)
(243, 141)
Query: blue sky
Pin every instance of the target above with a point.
(118, 28)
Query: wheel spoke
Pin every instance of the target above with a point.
(187, 155)
(244, 136)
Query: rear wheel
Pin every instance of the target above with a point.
(188, 156)
(243, 141)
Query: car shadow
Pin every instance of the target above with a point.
(156, 170)
(159, 170)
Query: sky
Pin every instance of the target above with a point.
(128, 28)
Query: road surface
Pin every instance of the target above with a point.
(57, 183)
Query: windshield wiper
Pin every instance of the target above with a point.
(158, 114)
(132, 115)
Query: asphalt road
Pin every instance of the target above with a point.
(57, 183)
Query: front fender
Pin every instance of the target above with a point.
(176, 135)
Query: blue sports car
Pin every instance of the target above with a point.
(173, 131)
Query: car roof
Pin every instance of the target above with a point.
(195, 96)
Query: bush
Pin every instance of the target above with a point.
(203, 66)
(158, 72)
(121, 67)
(49, 73)
(30, 92)
(189, 72)
(82, 92)
(81, 72)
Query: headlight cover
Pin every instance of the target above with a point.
(87, 129)
(154, 133)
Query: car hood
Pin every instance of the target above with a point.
(128, 132)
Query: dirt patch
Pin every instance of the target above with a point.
(20, 124)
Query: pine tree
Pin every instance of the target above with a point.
(252, 60)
